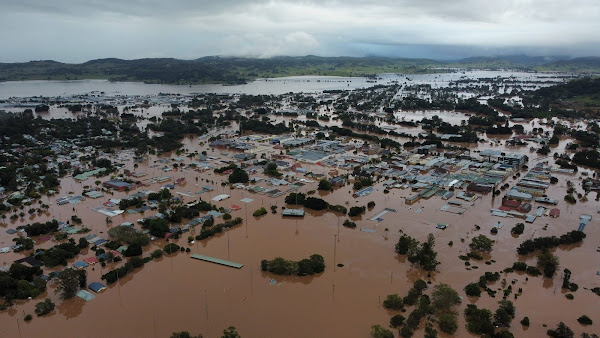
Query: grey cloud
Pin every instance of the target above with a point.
(72, 30)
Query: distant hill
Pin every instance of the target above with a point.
(232, 70)
(590, 64)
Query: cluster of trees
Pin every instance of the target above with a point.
(550, 242)
(420, 254)
(482, 321)
(128, 235)
(37, 228)
(114, 275)
(21, 282)
(308, 266)
(529, 269)
(128, 202)
(264, 127)
(58, 254)
(442, 302)
(313, 203)
(212, 230)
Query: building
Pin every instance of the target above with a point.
(118, 185)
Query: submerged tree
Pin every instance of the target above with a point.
(69, 282)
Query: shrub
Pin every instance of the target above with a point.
(133, 250)
(349, 224)
(561, 331)
(473, 290)
(517, 229)
(448, 324)
(260, 212)
(325, 185)
(44, 307)
(171, 248)
(569, 296)
(28, 317)
(393, 302)
(377, 331)
(533, 271)
(396, 321)
(406, 331)
(525, 321)
(355, 211)
(519, 266)
(585, 320)
(304, 267)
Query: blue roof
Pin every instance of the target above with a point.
(96, 286)
(80, 264)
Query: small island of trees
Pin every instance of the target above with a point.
(308, 266)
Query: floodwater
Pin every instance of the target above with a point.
(274, 86)
(179, 293)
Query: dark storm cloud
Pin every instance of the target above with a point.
(76, 31)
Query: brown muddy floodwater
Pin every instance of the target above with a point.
(178, 293)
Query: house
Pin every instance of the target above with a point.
(337, 181)
(554, 212)
(118, 185)
(91, 260)
(97, 287)
(80, 265)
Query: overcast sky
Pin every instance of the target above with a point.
(80, 30)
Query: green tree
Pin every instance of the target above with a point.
(238, 176)
(44, 307)
(548, 263)
(561, 331)
(505, 313)
(406, 244)
(448, 323)
(443, 298)
(68, 283)
(585, 320)
(378, 331)
(473, 290)
(396, 320)
(230, 332)
(324, 185)
(171, 248)
(479, 321)
(133, 250)
(393, 302)
(481, 243)
(158, 227)
(425, 255)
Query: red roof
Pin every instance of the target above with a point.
(510, 203)
(555, 212)
(91, 260)
(503, 208)
(235, 207)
